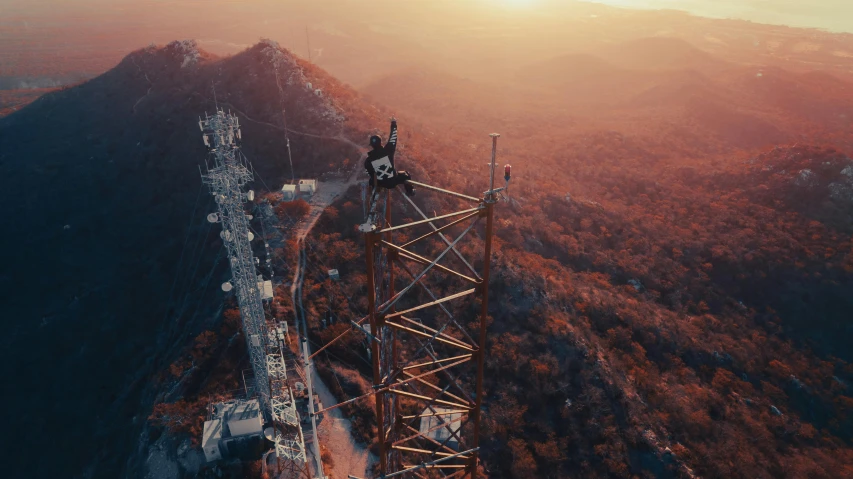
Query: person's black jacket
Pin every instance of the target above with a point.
(380, 161)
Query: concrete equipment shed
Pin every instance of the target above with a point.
(307, 187)
(234, 430)
(288, 192)
(210, 439)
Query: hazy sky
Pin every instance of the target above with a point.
(835, 15)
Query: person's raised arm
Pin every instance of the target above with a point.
(391, 145)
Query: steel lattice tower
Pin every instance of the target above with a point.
(227, 180)
(428, 364)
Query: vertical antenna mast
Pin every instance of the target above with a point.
(308, 42)
(284, 120)
(227, 181)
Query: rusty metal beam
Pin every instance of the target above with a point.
(429, 399)
(443, 308)
(436, 388)
(424, 261)
(432, 453)
(428, 336)
(443, 238)
(390, 303)
(398, 383)
(443, 413)
(437, 361)
(447, 192)
(439, 230)
(446, 373)
(429, 220)
(446, 448)
(423, 434)
(374, 346)
(429, 405)
(433, 303)
(437, 331)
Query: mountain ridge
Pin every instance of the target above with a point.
(105, 201)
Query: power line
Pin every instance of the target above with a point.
(183, 250)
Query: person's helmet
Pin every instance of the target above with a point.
(375, 141)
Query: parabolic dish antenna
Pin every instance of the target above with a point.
(250, 217)
(226, 235)
(269, 433)
(251, 195)
(226, 286)
(213, 218)
(251, 236)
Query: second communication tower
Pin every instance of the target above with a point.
(427, 362)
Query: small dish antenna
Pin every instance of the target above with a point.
(226, 286)
(251, 236)
(251, 195)
(213, 218)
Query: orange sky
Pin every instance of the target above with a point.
(835, 15)
(465, 37)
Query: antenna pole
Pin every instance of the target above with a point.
(489, 203)
(308, 42)
(490, 196)
(284, 120)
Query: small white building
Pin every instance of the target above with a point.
(210, 439)
(288, 192)
(265, 288)
(244, 418)
(235, 426)
(441, 424)
(307, 187)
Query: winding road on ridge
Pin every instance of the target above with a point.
(334, 430)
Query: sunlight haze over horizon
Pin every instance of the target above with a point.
(833, 15)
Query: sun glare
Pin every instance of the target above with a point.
(518, 3)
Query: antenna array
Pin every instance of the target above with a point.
(227, 180)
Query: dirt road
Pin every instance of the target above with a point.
(335, 430)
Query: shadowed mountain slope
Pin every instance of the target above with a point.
(101, 191)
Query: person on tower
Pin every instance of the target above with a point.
(380, 163)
